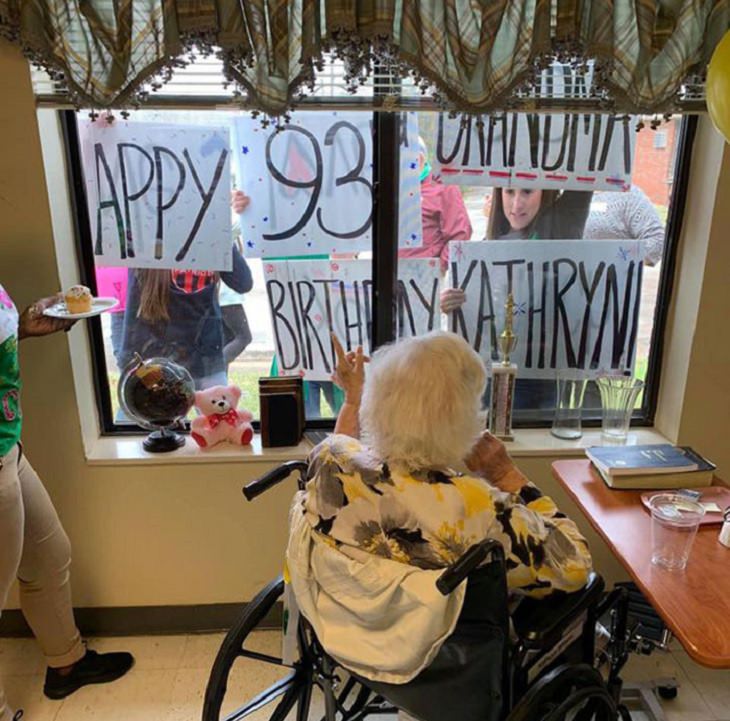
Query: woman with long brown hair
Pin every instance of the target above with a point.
(176, 315)
(529, 214)
(536, 214)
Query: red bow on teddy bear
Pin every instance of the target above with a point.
(230, 417)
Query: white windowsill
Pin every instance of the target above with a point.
(540, 442)
(535, 442)
(117, 450)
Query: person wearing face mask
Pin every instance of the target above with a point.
(443, 215)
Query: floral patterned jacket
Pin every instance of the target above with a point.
(428, 518)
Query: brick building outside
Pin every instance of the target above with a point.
(654, 160)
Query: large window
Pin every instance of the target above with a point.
(281, 243)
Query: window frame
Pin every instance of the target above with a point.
(384, 261)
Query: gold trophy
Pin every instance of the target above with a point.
(504, 374)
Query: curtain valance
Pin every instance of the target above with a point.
(473, 55)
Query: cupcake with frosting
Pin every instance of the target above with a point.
(78, 299)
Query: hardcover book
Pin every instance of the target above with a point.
(646, 459)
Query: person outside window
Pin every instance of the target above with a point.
(630, 216)
(530, 214)
(443, 215)
(176, 314)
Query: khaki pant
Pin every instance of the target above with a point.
(34, 549)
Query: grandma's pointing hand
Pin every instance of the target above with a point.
(350, 371)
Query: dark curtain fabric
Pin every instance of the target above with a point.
(472, 54)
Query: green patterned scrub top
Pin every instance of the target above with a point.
(428, 518)
(10, 416)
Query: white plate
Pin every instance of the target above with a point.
(98, 306)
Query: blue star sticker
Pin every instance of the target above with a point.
(250, 244)
(413, 236)
(266, 219)
(413, 166)
(244, 149)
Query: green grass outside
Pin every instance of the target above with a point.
(247, 381)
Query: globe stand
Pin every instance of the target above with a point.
(163, 441)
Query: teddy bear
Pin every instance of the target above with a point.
(219, 420)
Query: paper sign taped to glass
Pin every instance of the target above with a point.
(310, 299)
(158, 194)
(576, 302)
(311, 184)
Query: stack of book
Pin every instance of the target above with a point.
(651, 466)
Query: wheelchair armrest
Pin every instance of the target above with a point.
(466, 563)
(273, 477)
(536, 620)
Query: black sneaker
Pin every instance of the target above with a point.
(92, 668)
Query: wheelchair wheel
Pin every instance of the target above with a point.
(245, 658)
(285, 687)
(568, 693)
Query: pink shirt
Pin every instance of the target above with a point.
(443, 217)
(112, 283)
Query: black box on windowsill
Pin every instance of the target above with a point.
(281, 401)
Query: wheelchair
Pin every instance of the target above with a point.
(538, 663)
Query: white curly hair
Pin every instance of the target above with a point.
(421, 404)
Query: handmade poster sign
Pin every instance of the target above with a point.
(158, 195)
(530, 150)
(576, 302)
(311, 184)
(309, 299)
(569, 152)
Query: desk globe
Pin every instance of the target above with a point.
(157, 394)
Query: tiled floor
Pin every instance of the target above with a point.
(169, 678)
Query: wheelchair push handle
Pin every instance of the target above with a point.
(273, 477)
(468, 562)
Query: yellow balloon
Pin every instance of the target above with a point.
(717, 89)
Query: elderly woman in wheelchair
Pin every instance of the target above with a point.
(411, 538)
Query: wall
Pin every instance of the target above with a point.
(177, 534)
(182, 534)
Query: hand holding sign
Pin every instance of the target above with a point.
(239, 201)
(451, 299)
(350, 371)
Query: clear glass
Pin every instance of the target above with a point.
(571, 387)
(611, 217)
(674, 525)
(245, 321)
(618, 398)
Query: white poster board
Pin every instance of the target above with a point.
(576, 302)
(309, 299)
(158, 195)
(311, 184)
(560, 151)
